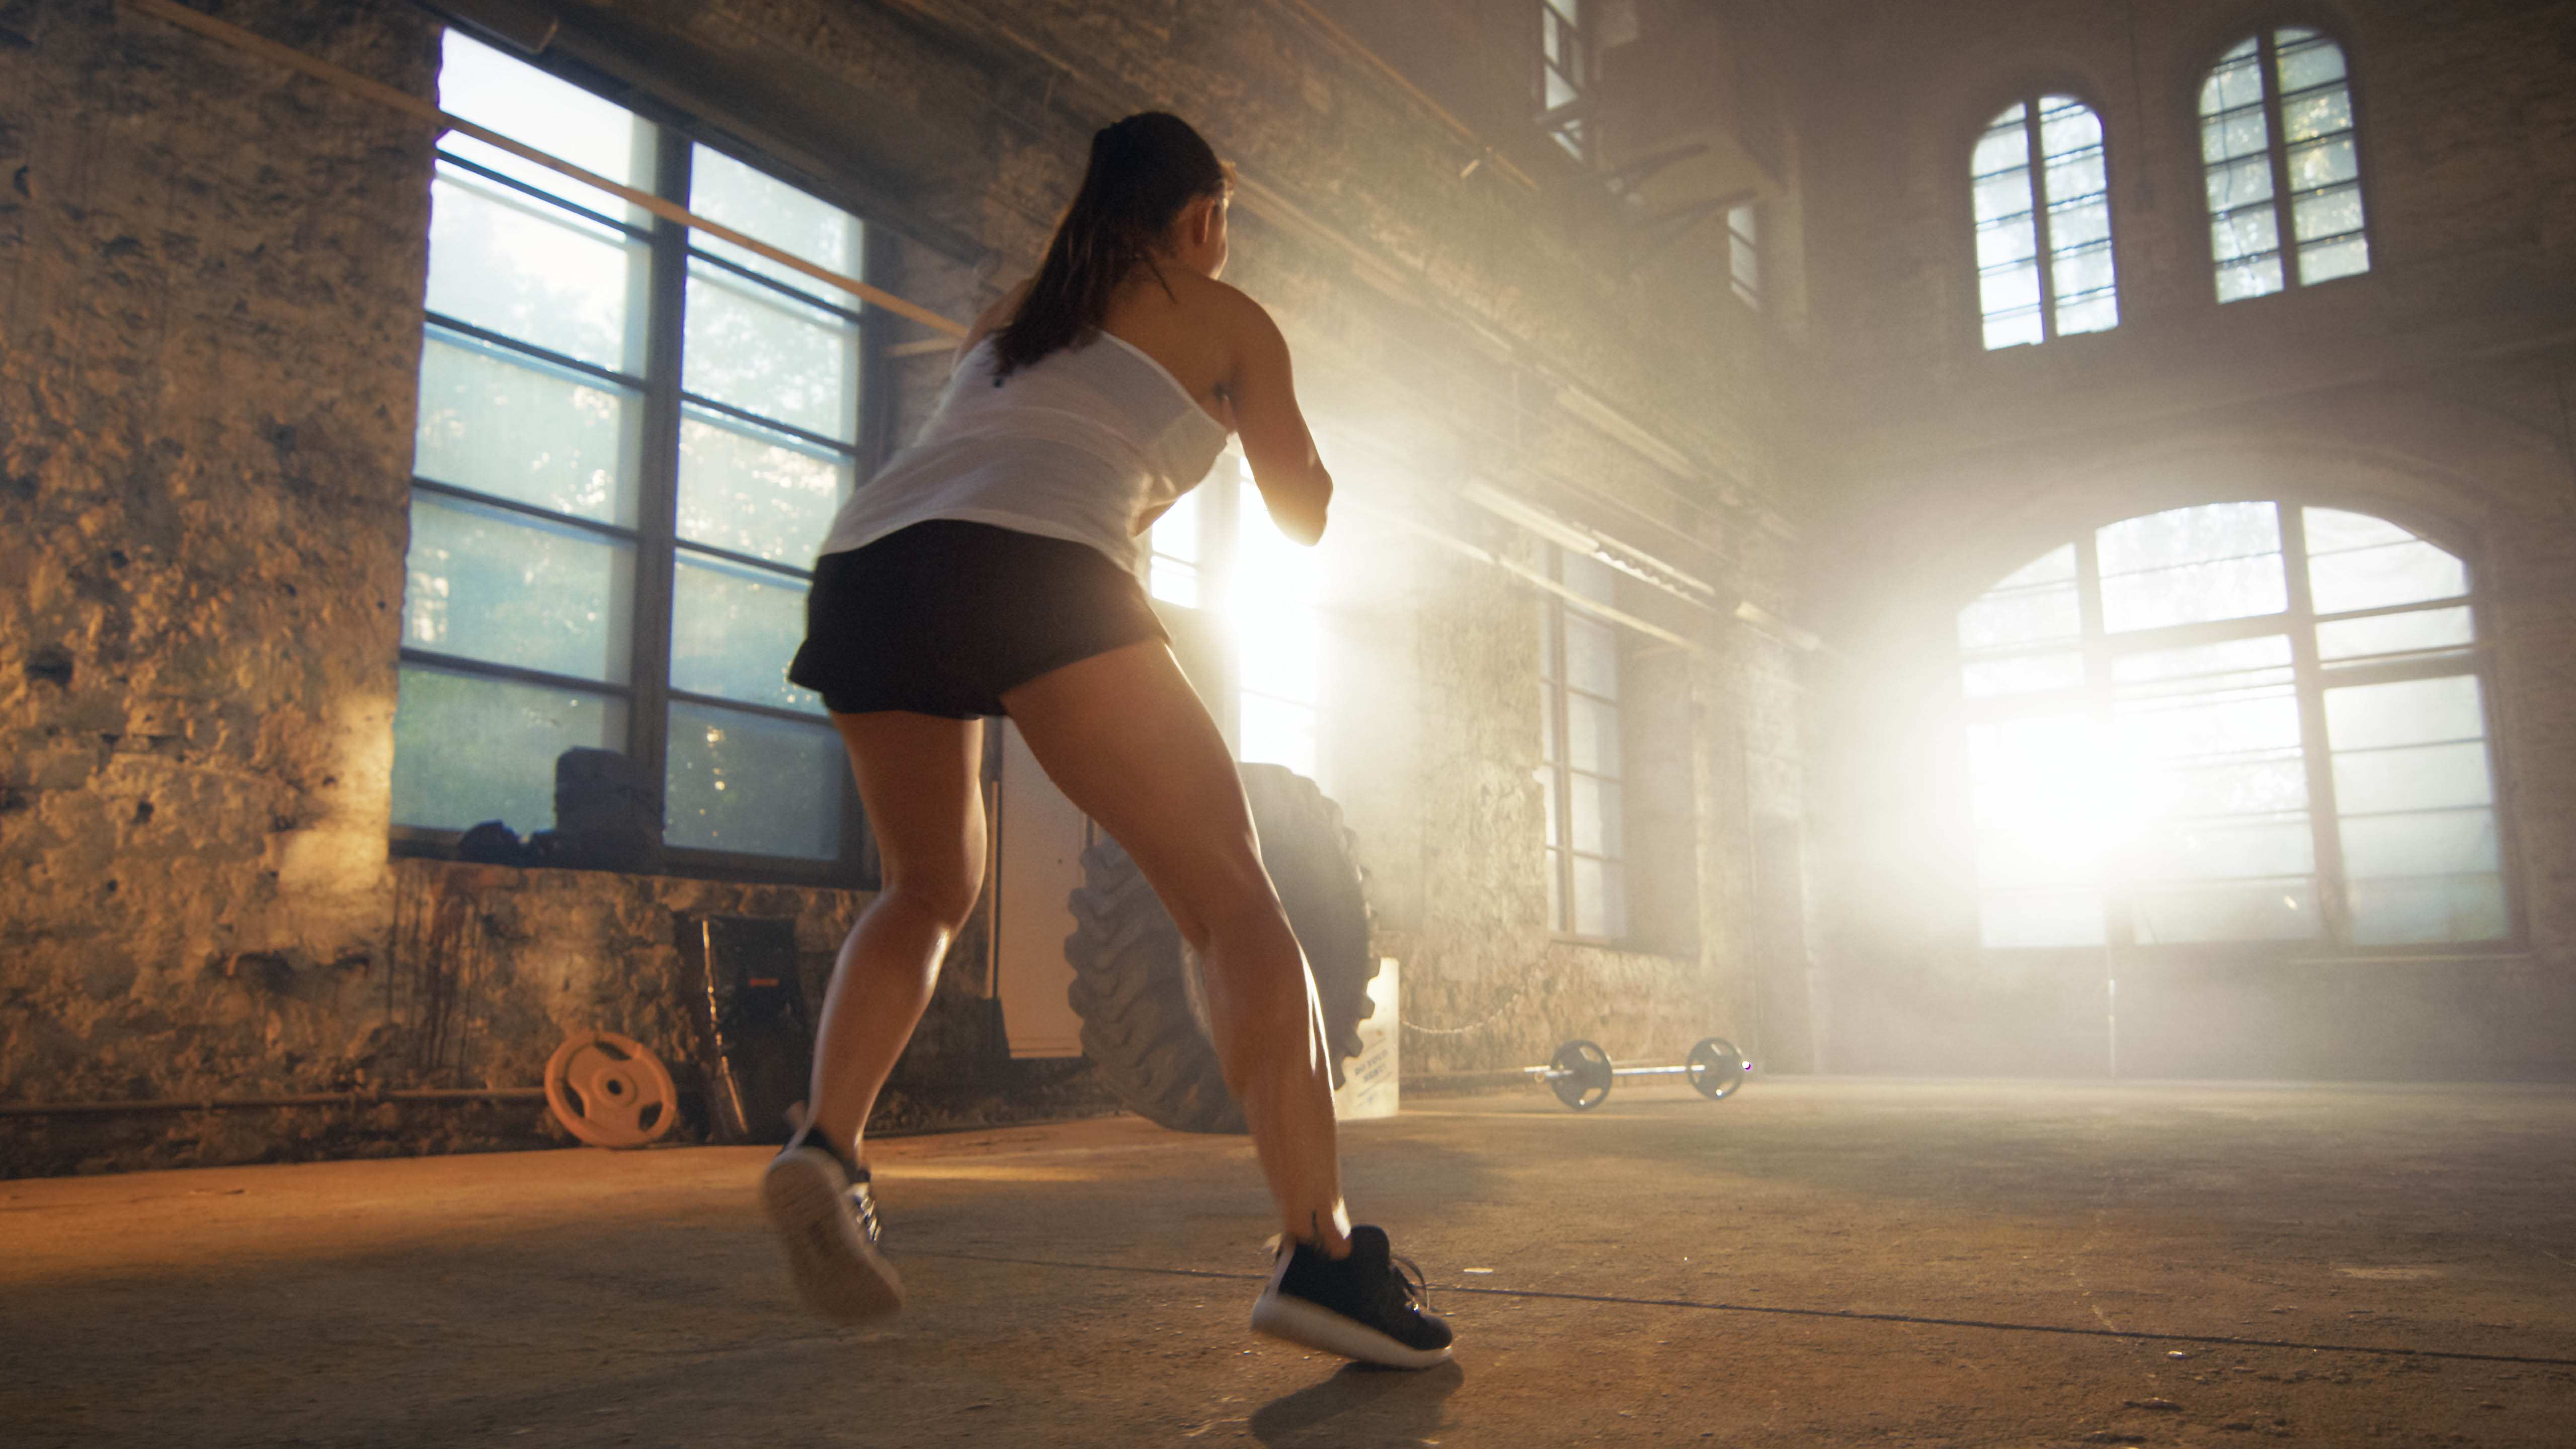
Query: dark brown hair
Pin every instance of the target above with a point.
(1143, 170)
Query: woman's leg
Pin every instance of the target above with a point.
(920, 778)
(1127, 740)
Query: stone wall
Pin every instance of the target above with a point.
(2432, 390)
(211, 274)
(210, 285)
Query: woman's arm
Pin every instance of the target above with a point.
(1263, 396)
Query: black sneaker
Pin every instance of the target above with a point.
(828, 1222)
(1363, 1306)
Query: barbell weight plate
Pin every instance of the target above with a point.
(1579, 1075)
(609, 1091)
(1716, 1068)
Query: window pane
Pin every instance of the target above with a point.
(2251, 233)
(2318, 113)
(1173, 582)
(2237, 80)
(2355, 562)
(533, 108)
(2223, 850)
(1600, 905)
(2074, 177)
(1175, 535)
(2195, 729)
(2005, 145)
(761, 206)
(1276, 732)
(2041, 802)
(2082, 226)
(2028, 674)
(2409, 712)
(2332, 260)
(519, 268)
(2424, 629)
(2015, 329)
(2249, 279)
(2192, 565)
(733, 631)
(2323, 163)
(2034, 605)
(1595, 815)
(763, 494)
(1555, 825)
(2326, 214)
(1556, 917)
(505, 588)
(2419, 843)
(2002, 196)
(2442, 908)
(2237, 184)
(771, 355)
(1592, 735)
(2009, 291)
(2284, 910)
(2237, 137)
(2412, 777)
(2004, 244)
(1280, 653)
(748, 783)
(469, 749)
(2272, 782)
(519, 429)
(1591, 656)
(2066, 126)
(2262, 660)
(2306, 59)
(2065, 917)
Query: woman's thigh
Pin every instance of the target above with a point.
(1125, 737)
(920, 779)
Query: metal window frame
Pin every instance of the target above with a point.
(2286, 245)
(1558, 683)
(2043, 240)
(1555, 120)
(2312, 677)
(648, 694)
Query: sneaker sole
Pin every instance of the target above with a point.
(837, 1273)
(1294, 1320)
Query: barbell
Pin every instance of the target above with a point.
(1580, 1074)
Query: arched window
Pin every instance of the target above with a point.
(2282, 160)
(2232, 722)
(2040, 192)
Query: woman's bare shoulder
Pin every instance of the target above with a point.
(1227, 308)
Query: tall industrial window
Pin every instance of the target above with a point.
(2234, 722)
(1217, 549)
(2041, 196)
(1744, 255)
(1579, 667)
(2282, 159)
(630, 443)
(1565, 75)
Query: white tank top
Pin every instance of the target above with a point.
(1079, 445)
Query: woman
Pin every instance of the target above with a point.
(992, 569)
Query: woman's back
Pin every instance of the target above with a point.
(1085, 444)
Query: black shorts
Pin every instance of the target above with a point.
(946, 616)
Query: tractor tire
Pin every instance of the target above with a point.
(1136, 985)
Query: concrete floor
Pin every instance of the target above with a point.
(1812, 1263)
